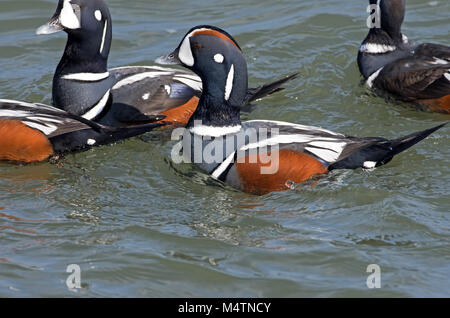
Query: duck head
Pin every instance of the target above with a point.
(88, 25)
(218, 60)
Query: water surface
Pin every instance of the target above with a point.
(138, 226)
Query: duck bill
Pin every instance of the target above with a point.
(169, 59)
(52, 26)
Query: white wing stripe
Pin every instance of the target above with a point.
(330, 149)
(334, 146)
(194, 84)
(13, 113)
(44, 119)
(139, 77)
(46, 129)
(295, 126)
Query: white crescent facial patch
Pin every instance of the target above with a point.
(68, 18)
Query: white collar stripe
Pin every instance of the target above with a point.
(375, 48)
(213, 131)
(86, 77)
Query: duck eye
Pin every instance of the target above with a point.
(197, 46)
(218, 58)
(98, 15)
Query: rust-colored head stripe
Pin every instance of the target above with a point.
(217, 34)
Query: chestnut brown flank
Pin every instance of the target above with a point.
(180, 115)
(438, 105)
(293, 166)
(20, 143)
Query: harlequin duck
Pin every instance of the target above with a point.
(84, 86)
(35, 132)
(260, 156)
(409, 71)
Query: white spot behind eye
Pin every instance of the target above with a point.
(98, 15)
(68, 17)
(218, 58)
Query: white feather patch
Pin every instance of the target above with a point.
(13, 113)
(229, 84)
(185, 52)
(337, 147)
(218, 58)
(139, 77)
(86, 77)
(447, 76)
(47, 129)
(214, 131)
(223, 166)
(375, 48)
(45, 119)
(105, 28)
(369, 164)
(438, 61)
(405, 39)
(192, 81)
(98, 15)
(331, 152)
(324, 154)
(68, 18)
(97, 109)
(373, 77)
(295, 126)
(91, 142)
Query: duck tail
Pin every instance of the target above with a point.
(254, 94)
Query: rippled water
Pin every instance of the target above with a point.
(139, 226)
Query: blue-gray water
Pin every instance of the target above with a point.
(139, 226)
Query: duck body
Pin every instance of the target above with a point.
(83, 84)
(409, 71)
(261, 156)
(36, 132)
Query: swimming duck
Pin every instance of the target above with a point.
(83, 84)
(36, 132)
(409, 71)
(260, 156)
